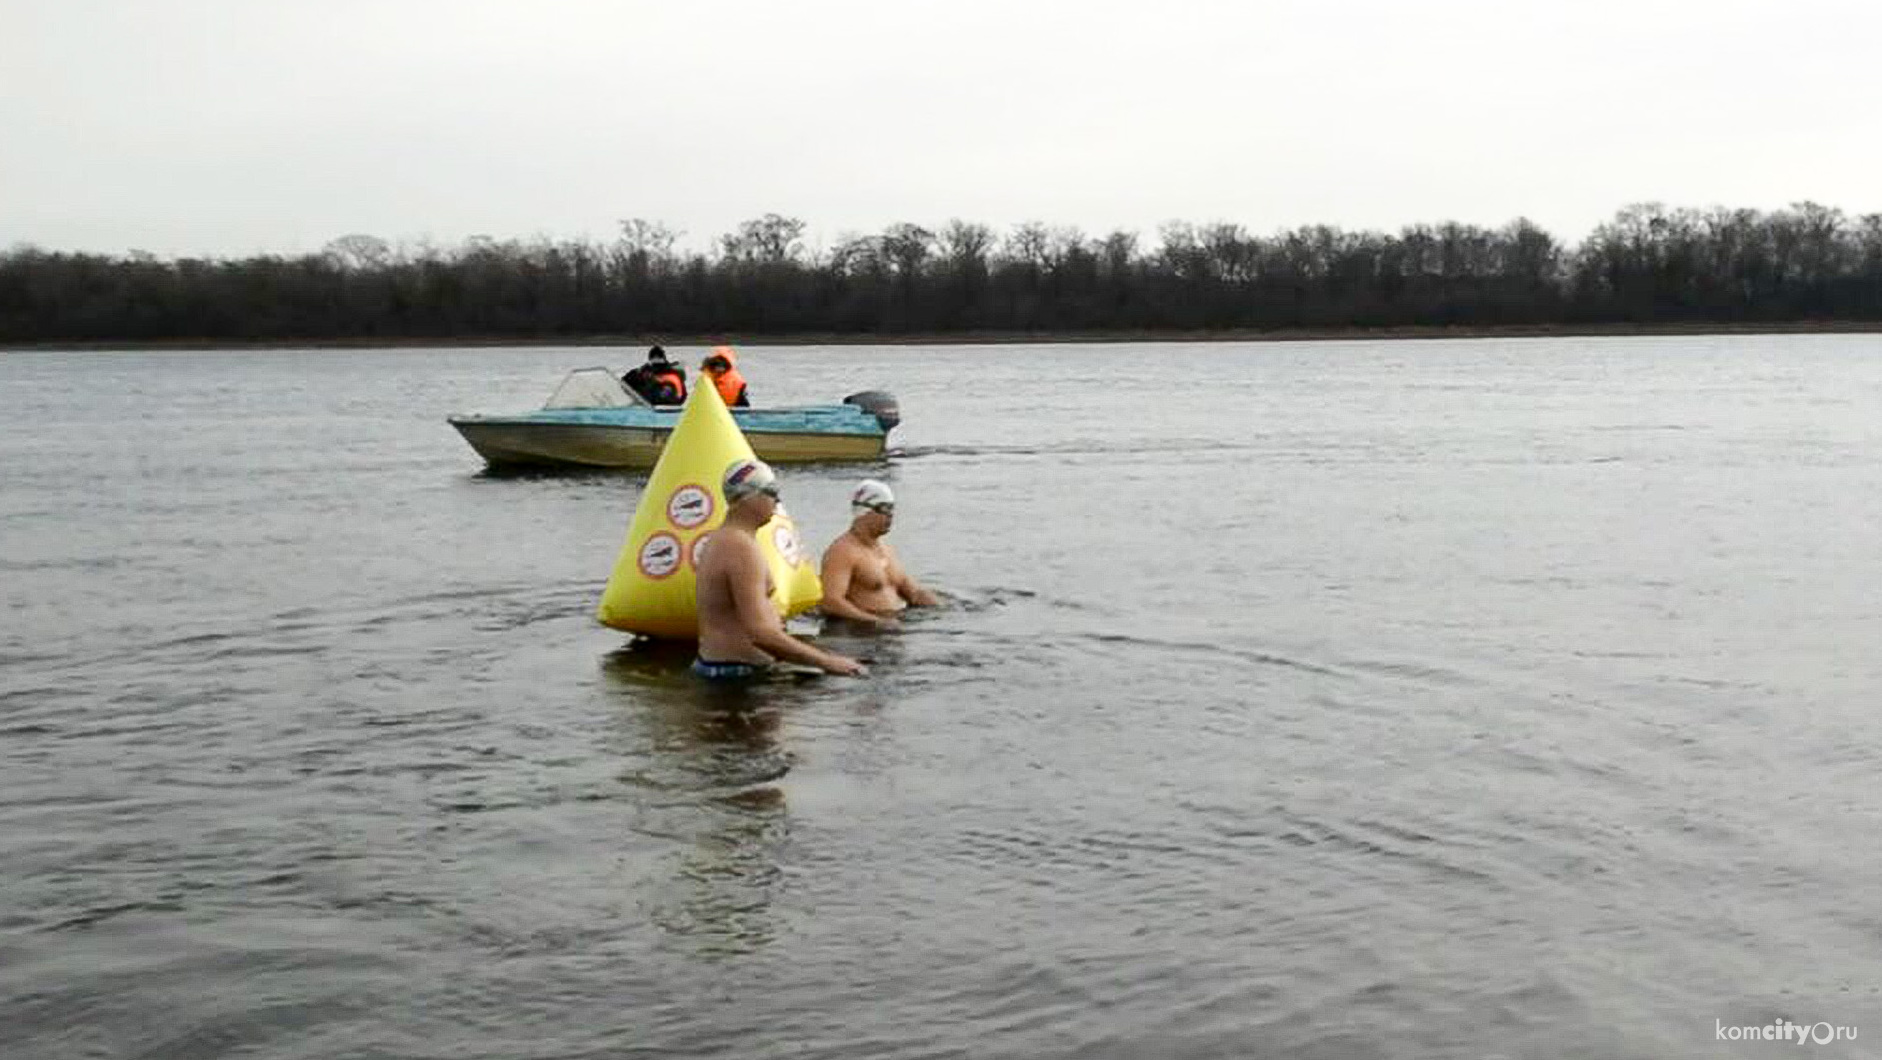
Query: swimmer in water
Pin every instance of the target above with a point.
(863, 580)
(740, 632)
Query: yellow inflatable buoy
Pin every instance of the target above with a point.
(652, 589)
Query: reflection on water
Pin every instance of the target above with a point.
(710, 758)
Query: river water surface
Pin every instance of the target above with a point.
(1344, 700)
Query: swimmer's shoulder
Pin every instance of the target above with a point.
(844, 547)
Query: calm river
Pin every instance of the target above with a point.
(1343, 700)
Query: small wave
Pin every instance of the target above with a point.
(1196, 647)
(71, 563)
(1368, 837)
(99, 914)
(1047, 854)
(526, 592)
(307, 631)
(1425, 673)
(480, 806)
(138, 729)
(986, 599)
(22, 696)
(264, 651)
(528, 613)
(191, 640)
(1079, 448)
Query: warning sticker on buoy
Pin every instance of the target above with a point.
(698, 550)
(784, 539)
(661, 555)
(690, 506)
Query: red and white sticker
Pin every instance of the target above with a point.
(784, 539)
(690, 506)
(698, 551)
(661, 555)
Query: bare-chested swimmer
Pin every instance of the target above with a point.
(740, 633)
(863, 581)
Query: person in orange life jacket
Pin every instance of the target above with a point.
(722, 366)
(659, 380)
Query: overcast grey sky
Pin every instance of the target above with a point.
(236, 126)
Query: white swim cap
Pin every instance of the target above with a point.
(746, 477)
(872, 496)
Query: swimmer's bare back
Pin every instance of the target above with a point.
(737, 620)
(723, 636)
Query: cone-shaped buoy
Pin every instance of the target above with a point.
(652, 589)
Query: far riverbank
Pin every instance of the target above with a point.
(978, 338)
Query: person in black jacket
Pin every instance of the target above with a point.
(658, 380)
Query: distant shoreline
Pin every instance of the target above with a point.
(986, 338)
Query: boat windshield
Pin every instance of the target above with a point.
(591, 388)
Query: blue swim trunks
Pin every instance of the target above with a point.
(728, 671)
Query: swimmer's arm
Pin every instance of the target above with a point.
(912, 592)
(838, 566)
(762, 625)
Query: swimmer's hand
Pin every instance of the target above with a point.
(845, 667)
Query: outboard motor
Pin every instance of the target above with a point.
(880, 404)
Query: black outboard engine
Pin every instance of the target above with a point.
(880, 404)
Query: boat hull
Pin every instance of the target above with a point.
(525, 442)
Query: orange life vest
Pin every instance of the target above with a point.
(731, 385)
(674, 378)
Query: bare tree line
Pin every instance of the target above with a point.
(1650, 264)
